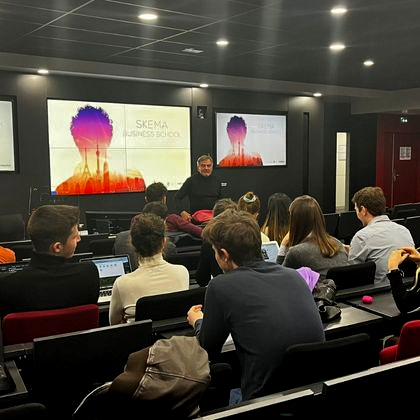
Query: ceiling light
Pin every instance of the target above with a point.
(204, 85)
(148, 16)
(43, 71)
(317, 94)
(337, 46)
(192, 51)
(368, 63)
(222, 42)
(338, 11)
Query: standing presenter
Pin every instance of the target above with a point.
(202, 188)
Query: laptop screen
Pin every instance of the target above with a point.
(110, 267)
(270, 251)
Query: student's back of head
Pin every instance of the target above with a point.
(52, 224)
(147, 234)
(250, 203)
(156, 192)
(223, 204)
(238, 233)
(307, 223)
(276, 224)
(156, 207)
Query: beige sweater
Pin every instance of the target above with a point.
(153, 277)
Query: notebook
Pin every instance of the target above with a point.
(270, 250)
(109, 268)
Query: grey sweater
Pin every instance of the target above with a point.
(308, 254)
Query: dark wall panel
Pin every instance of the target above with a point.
(32, 92)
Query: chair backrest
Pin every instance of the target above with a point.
(22, 327)
(188, 259)
(12, 227)
(68, 366)
(102, 246)
(308, 363)
(413, 225)
(25, 411)
(348, 225)
(405, 210)
(353, 275)
(409, 343)
(331, 222)
(169, 305)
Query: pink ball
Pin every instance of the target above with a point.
(367, 299)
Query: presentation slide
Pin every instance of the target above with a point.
(250, 139)
(7, 151)
(100, 148)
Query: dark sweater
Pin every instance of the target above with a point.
(49, 282)
(406, 300)
(202, 191)
(266, 308)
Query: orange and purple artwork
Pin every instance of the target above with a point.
(92, 131)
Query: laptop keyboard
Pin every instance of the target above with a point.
(105, 295)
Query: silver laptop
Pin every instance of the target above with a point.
(109, 268)
(270, 250)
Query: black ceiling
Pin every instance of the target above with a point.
(272, 39)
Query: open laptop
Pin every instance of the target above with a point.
(109, 268)
(270, 250)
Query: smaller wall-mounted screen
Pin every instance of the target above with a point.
(100, 148)
(7, 136)
(245, 139)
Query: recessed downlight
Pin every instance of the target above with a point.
(368, 62)
(43, 71)
(222, 42)
(317, 94)
(337, 46)
(204, 85)
(147, 16)
(338, 11)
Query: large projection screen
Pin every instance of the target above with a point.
(99, 148)
(250, 139)
(7, 141)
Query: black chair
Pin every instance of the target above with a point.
(413, 225)
(348, 225)
(26, 411)
(405, 210)
(12, 227)
(400, 221)
(169, 305)
(309, 363)
(353, 275)
(380, 392)
(188, 259)
(331, 223)
(68, 366)
(22, 249)
(102, 246)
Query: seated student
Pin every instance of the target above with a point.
(276, 224)
(51, 281)
(174, 222)
(264, 306)
(207, 264)
(405, 299)
(251, 203)
(6, 255)
(154, 275)
(379, 235)
(308, 244)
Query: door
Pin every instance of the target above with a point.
(405, 171)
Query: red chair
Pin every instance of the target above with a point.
(408, 344)
(23, 327)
